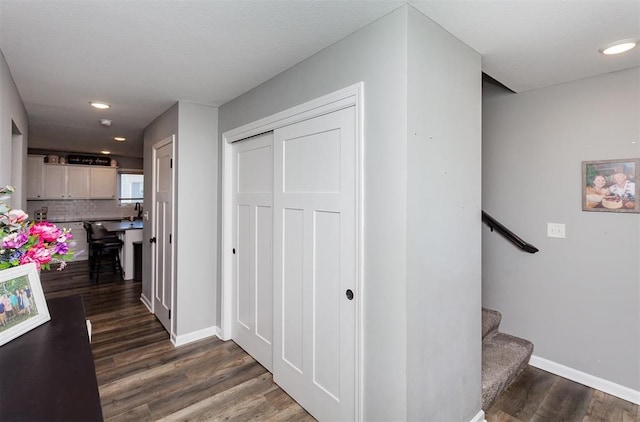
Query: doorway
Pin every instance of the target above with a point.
(18, 175)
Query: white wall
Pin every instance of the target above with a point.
(12, 110)
(195, 233)
(196, 217)
(377, 55)
(443, 225)
(578, 299)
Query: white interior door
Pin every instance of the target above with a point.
(315, 263)
(253, 243)
(161, 236)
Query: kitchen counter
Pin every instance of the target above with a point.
(129, 232)
(61, 220)
(121, 226)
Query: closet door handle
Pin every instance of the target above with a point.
(349, 293)
(152, 240)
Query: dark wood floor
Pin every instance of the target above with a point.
(142, 377)
(537, 395)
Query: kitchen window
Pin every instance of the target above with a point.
(131, 187)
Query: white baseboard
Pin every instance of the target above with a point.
(479, 417)
(592, 381)
(183, 339)
(146, 302)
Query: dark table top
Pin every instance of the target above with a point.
(120, 226)
(47, 374)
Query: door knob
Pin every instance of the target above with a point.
(152, 240)
(349, 294)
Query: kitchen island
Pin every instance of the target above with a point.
(76, 225)
(129, 232)
(122, 226)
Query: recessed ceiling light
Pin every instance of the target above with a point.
(119, 139)
(99, 105)
(105, 152)
(618, 47)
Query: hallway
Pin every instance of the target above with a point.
(142, 377)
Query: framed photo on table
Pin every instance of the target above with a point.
(22, 302)
(611, 185)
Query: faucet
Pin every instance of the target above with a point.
(138, 207)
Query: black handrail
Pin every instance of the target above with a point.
(508, 234)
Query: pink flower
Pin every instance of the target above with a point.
(25, 259)
(47, 231)
(17, 216)
(38, 254)
(22, 242)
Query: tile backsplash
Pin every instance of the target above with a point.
(81, 209)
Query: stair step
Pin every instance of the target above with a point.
(490, 321)
(504, 357)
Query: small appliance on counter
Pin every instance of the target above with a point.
(53, 159)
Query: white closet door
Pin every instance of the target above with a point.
(315, 263)
(252, 325)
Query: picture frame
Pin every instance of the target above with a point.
(611, 186)
(23, 283)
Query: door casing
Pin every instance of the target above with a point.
(347, 97)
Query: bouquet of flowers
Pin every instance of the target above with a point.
(22, 242)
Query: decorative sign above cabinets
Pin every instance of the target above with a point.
(88, 160)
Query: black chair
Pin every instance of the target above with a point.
(104, 250)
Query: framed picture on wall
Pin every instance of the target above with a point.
(23, 303)
(611, 186)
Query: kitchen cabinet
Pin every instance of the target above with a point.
(103, 182)
(59, 181)
(129, 238)
(55, 181)
(78, 182)
(35, 176)
(66, 182)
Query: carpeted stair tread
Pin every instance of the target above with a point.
(504, 357)
(490, 321)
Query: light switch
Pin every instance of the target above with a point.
(555, 230)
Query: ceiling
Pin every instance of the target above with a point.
(142, 56)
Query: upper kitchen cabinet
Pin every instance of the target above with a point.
(66, 182)
(78, 182)
(103, 182)
(59, 181)
(55, 181)
(35, 177)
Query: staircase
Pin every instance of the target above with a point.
(504, 357)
